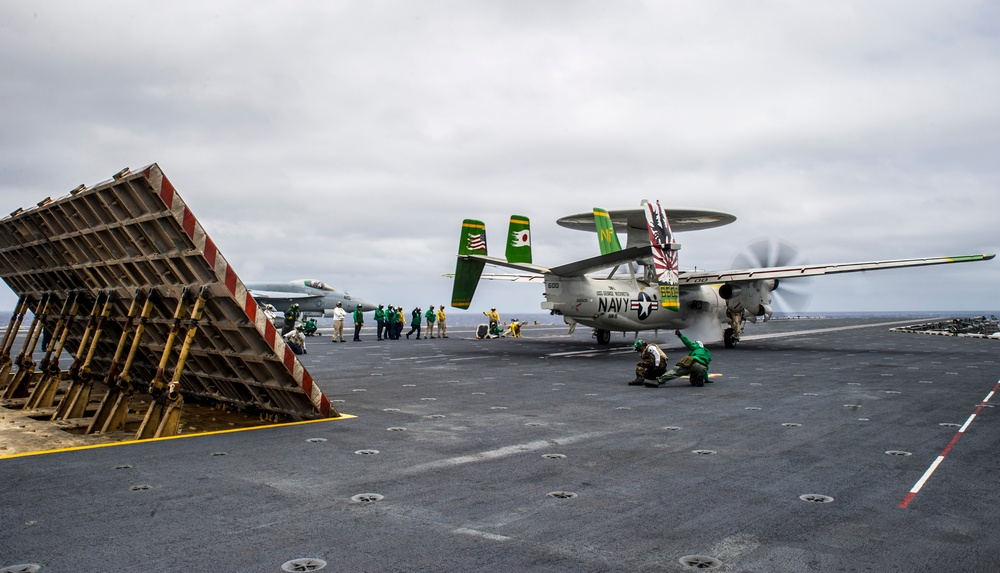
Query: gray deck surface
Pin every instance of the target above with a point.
(464, 430)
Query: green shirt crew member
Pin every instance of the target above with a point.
(359, 321)
(415, 315)
(431, 316)
(694, 364)
(291, 315)
(379, 321)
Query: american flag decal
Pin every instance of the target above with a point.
(476, 242)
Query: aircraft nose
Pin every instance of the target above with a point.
(365, 305)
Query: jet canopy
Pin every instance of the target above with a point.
(318, 285)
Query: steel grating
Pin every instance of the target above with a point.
(133, 239)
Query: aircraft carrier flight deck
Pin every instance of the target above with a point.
(823, 445)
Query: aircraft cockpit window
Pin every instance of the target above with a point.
(317, 285)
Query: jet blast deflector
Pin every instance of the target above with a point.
(130, 288)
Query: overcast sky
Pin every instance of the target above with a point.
(346, 141)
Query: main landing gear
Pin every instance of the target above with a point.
(731, 336)
(603, 336)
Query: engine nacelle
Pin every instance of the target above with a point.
(730, 290)
(752, 298)
(765, 311)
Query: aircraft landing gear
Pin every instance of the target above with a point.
(728, 338)
(731, 336)
(603, 336)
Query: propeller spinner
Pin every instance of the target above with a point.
(794, 294)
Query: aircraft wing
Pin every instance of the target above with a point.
(281, 295)
(505, 277)
(582, 267)
(513, 278)
(743, 275)
(574, 269)
(528, 267)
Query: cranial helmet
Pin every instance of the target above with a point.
(639, 344)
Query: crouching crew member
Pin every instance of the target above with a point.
(694, 364)
(296, 340)
(652, 363)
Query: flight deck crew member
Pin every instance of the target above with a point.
(270, 312)
(652, 363)
(400, 321)
(379, 321)
(296, 340)
(359, 321)
(391, 317)
(494, 317)
(431, 316)
(695, 363)
(390, 322)
(442, 329)
(514, 329)
(339, 314)
(292, 314)
(414, 323)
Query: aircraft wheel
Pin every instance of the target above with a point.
(603, 336)
(727, 338)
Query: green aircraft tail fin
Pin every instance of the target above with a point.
(519, 240)
(606, 235)
(468, 271)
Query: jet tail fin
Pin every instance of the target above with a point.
(468, 271)
(519, 240)
(661, 239)
(607, 238)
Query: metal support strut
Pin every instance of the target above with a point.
(8, 340)
(163, 417)
(18, 386)
(74, 403)
(113, 410)
(43, 395)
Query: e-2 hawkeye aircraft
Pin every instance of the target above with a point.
(716, 304)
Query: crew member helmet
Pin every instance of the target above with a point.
(639, 344)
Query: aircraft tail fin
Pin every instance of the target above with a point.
(468, 271)
(519, 240)
(661, 239)
(607, 238)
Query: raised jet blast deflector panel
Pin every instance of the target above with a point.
(134, 242)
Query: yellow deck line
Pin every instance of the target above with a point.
(146, 441)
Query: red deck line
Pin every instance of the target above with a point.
(927, 474)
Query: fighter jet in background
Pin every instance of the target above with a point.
(314, 297)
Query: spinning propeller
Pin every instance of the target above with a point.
(788, 294)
